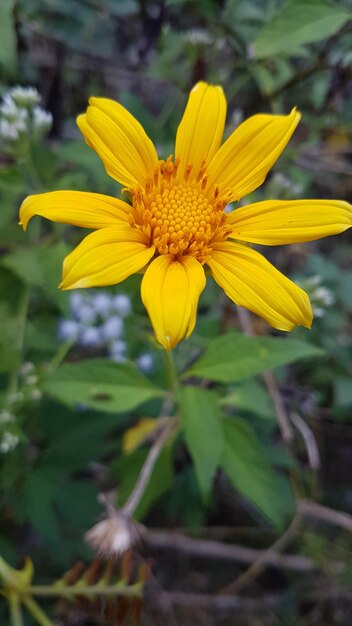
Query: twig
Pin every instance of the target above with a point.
(309, 440)
(15, 609)
(136, 494)
(35, 610)
(230, 552)
(219, 603)
(308, 508)
(257, 566)
(270, 381)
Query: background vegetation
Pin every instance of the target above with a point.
(63, 423)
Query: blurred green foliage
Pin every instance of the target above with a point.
(69, 410)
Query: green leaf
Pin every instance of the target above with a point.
(235, 356)
(8, 48)
(342, 392)
(25, 264)
(102, 385)
(345, 289)
(201, 422)
(39, 509)
(298, 23)
(252, 397)
(41, 267)
(245, 464)
(10, 327)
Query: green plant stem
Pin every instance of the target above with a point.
(90, 590)
(15, 609)
(36, 611)
(37, 183)
(22, 312)
(59, 356)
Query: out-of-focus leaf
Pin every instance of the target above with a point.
(41, 267)
(102, 385)
(124, 8)
(8, 47)
(9, 331)
(244, 462)
(39, 511)
(250, 396)
(345, 289)
(86, 440)
(235, 356)
(25, 264)
(343, 392)
(298, 23)
(201, 422)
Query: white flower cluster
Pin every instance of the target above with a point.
(321, 297)
(198, 37)
(8, 439)
(98, 321)
(22, 120)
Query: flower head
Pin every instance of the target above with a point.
(175, 223)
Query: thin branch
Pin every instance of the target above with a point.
(219, 603)
(70, 591)
(15, 609)
(230, 552)
(262, 560)
(270, 381)
(309, 440)
(308, 508)
(136, 494)
(36, 611)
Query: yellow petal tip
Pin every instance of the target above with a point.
(80, 120)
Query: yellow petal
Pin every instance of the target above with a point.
(80, 208)
(277, 222)
(252, 282)
(244, 160)
(200, 132)
(106, 257)
(128, 154)
(170, 293)
(136, 435)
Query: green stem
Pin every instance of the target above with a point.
(22, 318)
(36, 611)
(171, 372)
(89, 590)
(59, 356)
(15, 609)
(35, 178)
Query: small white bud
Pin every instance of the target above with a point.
(112, 328)
(122, 304)
(35, 394)
(25, 96)
(145, 362)
(6, 417)
(102, 303)
(90, 337)
(8, 442)
(42, 120)
(8, 131)
(68, 330)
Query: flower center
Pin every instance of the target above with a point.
(179, 215)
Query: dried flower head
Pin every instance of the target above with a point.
(114, 535)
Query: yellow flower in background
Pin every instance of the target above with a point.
(176, 225)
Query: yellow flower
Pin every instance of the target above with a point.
(176, 223)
